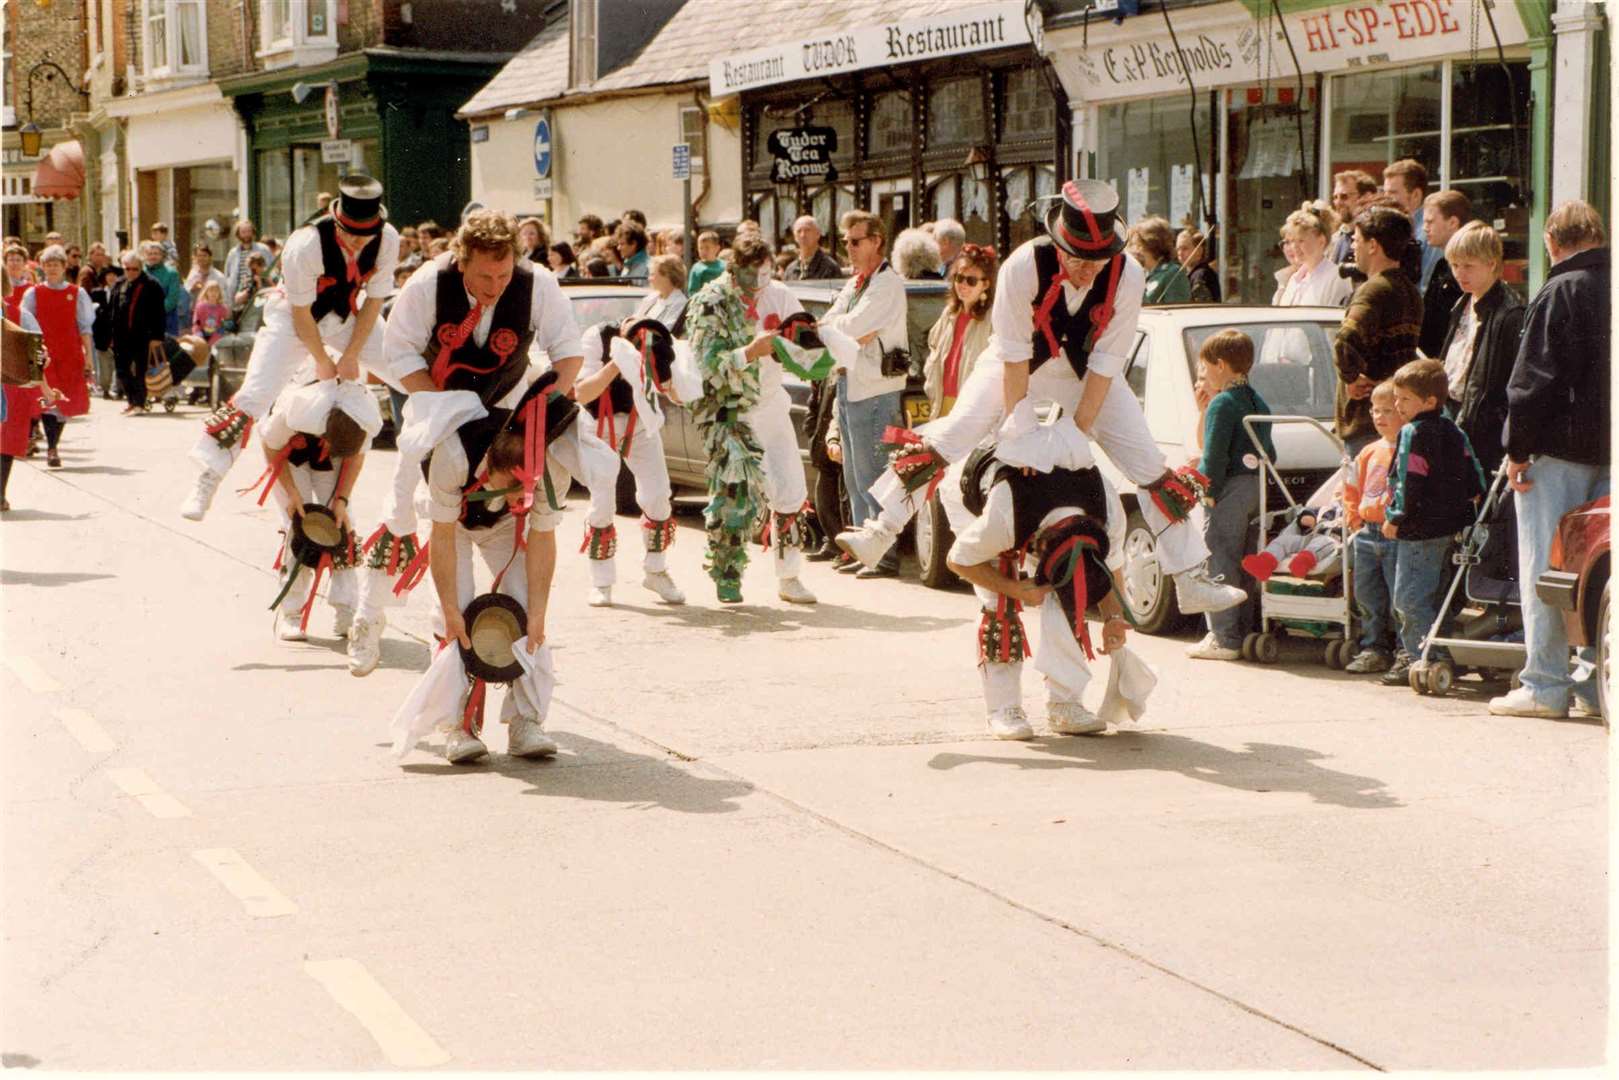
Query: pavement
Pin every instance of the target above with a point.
(775, 837)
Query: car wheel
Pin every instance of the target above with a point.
(933, 539)
(1147, 589)
(1604, 650)
(624, 493)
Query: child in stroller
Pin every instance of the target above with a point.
(1312, 543)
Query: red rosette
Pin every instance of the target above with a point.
(771, 321)
(446, 335)
(324, 282)
(503, 343)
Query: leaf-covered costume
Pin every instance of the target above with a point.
(719, 331)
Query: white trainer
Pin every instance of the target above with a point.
(202, 495)
(792, 590)
(1010, 723)
(365, 645)
(460, 747)
(289, 626)
(1072, 718)
(524, 738)
(868, 542)
(1199, 594)
(1521, 702)
(1210, 649)
(342, 619)
(600, 596)
(661, 583)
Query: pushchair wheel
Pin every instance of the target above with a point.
(169, 404)
(1333, 655)
(1267, 650)
(1417, 676)
(1441, 676)
(1248, 646)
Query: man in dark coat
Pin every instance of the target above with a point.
(1443, 213)
(1558, 412)
(137, 321)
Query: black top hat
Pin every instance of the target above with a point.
(663, 345)
(315, 532)
(494, 623)
(1061, 561)
(358, 207)
(1085, 223)
(560, 411)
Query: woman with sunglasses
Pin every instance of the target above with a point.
(963, 331)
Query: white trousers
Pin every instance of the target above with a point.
(593, 464)
(785, 489)
(1120, 430)
(314, 485)
(276, 357)
(653, 492)
(494, 546)
(1057, 655)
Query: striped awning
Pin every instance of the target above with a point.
(60, 173)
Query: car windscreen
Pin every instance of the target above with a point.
(1293, 369)
(590, 310)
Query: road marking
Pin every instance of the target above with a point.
(144, 790)
(403, 1041)
(245, 883)
(32, 675)
(84, 729)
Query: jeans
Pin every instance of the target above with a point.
(1225, 532)
(1373, 566)
(1419, 577)
(860, 426)
(1559, 486)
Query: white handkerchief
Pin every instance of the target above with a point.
(686, 377)
(1057, 443)
(435, 701)
(1130, 681)
(539, 679)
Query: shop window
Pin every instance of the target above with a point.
(1265, 183)
(775, 214)
(1488, 157)
(956, 113)
(694, 133)
(297, 32)
(1381, 117)
(275, 192)
(1028, 111)
(1147, 153)
(202, 193)
(828, 204)
(957, 195)
(839, 116)
(176, 41)
(889, 128)
(1026, 186)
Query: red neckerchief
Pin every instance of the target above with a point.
(952, 362)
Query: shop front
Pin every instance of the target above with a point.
(1276, 105)
(948, 113)
(389, 113)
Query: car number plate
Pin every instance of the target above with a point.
(917, 410)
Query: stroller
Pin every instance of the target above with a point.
(1486, 628)
(1300, 607)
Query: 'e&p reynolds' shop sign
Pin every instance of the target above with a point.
(1241, 49)
(960, 30)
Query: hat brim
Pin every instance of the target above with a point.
(1114, 246)
(494, 623)
(368, 227)
(315, 532)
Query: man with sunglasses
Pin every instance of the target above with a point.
(1064, 320)
(871, 309)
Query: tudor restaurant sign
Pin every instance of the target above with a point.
(803, 154)
(1228, 46)
(949, 33)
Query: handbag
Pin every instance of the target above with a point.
(159, 377)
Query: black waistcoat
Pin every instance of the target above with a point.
(1033, 497)
(1072, 331)
(618, 391)
(493, 369)
(334, 292)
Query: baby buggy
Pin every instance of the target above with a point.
(1320, 606)
(1481, 608)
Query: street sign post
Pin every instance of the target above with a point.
(682, 170)
(682, 161)
(542, 147)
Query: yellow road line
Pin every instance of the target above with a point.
(257, 895)
(403, 1041)
(144, 790)
(32, 675)
(85, 731)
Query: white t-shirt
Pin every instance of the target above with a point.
(412, 320)
(1012, 317)
(991, 533)
(302, 267)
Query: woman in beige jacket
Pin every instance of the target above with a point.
(962, 333)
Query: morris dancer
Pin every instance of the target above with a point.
(497, 485)
(315, 444)
(1069, 522)
(746, 420)
(458, 340)
(20, 401)
(335, 275)
(1064, 319)
(66, 314)
(623, 374)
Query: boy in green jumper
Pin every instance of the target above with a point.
(1230, 463)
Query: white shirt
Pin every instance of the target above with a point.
(882, 307)
(774, 299)
(196, 280)
(992, 533)
(1012, 317)
(447, 476)
(302, 266)
(84, 307)
(277, 431)
(1460, 356)
(1321, 287)
(414, 315)
(666, 310)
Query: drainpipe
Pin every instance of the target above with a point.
(708, 168)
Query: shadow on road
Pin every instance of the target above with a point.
(42, 515)
(103, 470)
(1260, 767)
(612, 774)
(746, 619)
(45, 579)
(289, 667)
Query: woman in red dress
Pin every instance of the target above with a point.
(20, 405)
(66, 315)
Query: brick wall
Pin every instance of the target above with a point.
(34, 33)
